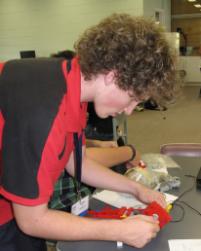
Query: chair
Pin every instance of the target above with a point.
(181, 149)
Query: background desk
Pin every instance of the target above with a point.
(188, 228)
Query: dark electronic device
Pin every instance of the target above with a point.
(28, 54)
(198, 179)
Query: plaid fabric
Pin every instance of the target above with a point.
(64, 195)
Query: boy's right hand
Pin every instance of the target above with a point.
(138, 230)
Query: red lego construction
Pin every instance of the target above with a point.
(153, 209)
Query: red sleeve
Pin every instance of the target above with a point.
(1, 67)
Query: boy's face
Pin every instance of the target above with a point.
(113, 101)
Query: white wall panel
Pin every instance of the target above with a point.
(51, 25)
(191, 65)
(159, 5)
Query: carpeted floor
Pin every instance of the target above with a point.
(147, 129)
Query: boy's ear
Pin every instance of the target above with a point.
(110, 78)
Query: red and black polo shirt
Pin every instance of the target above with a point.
(40, 110)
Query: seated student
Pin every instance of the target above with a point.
(99, 132)
(101, 129)
(98, 128)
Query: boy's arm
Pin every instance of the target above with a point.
(39, 221)
(96, 175)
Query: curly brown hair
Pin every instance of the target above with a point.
(137, 51)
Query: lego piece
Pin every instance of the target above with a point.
(155, 208)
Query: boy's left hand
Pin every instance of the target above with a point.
(147, 196)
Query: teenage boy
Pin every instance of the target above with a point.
(121, 61)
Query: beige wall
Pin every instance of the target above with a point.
(164, 6)
(51, 25)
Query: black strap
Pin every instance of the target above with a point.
(78, 160)
(77, 152)
(68, 65)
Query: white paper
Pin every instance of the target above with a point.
(125, 200)
(170, 198)
(185, 245)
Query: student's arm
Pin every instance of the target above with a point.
(111, 156)
(97, 175)
(39, 221)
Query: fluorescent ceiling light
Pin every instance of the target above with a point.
(191, 0)
(197, 5)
